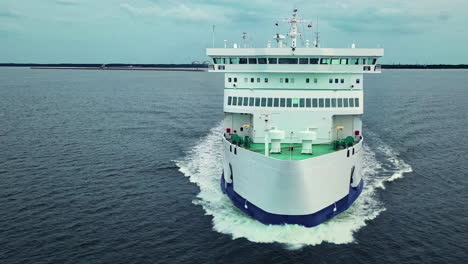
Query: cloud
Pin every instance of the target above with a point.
(179, 12)
(68, 2)
(388, 19)
(8, 14)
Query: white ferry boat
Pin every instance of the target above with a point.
(293, 127)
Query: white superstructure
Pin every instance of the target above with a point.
(293, 127)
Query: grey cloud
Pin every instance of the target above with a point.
(8, 14)
(67, 2)
(378, 20)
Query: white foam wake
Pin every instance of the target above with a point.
(203, 166)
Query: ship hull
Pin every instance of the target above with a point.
(308, 220)
(307, 192)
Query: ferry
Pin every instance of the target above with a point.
(293, 139)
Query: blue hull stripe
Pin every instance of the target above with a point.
(309, 220)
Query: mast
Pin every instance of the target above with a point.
(293, 32)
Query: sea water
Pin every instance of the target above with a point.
(124, 167)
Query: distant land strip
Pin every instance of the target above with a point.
(194, 67)
(111, 66)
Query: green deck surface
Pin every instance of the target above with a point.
(317, 150)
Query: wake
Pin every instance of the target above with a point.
(203, 166)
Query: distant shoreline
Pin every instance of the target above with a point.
(199, 67)
(111, 66)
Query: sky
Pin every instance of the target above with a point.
(179, 31)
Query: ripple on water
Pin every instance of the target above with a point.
(203, 166)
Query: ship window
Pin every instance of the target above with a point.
(276, 102)
(252, 60)
(234, 60)
(266, 80)
(321, 104)
(246, 79)
(242, 60)
(221, 67)
(281, 80)
(325, 61)
(262, 61)
(327, 102)
(282, 102)
(336, 80)
(295, 102)
(363, 61)
(303, 61)
(340, 102)
(335, 61)
(307, 80)
(354, 61)
(288, 102)
(330, 81)
(234, 100)
(351, 102)
(251, 101)
(287, 61)
(235, 79)
(257, 101)
(315, 80)
(216, 60)
(239, 101)
(356, 102)
(314, 61)
(342, 81)
(358, 80)
(373, 61)
(333, 102)
(286, 80)
(246, 101)
(252, 80)
(263, 101)
(345, 102)
(258, 80)
(229, 79)
(229, 100)
(270, 102)
(314, 102)
(272, 61)
(308, 102)
(344, 61)
(301, 102)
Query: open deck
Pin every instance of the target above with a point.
(295, 153)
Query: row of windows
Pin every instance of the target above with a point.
(333, 61)
(293, 102)
(287, 80)
(341, 80)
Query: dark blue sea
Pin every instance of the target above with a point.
(123, 167)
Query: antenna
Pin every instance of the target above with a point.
(213, 35)
(244, 38)
(317, 35)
